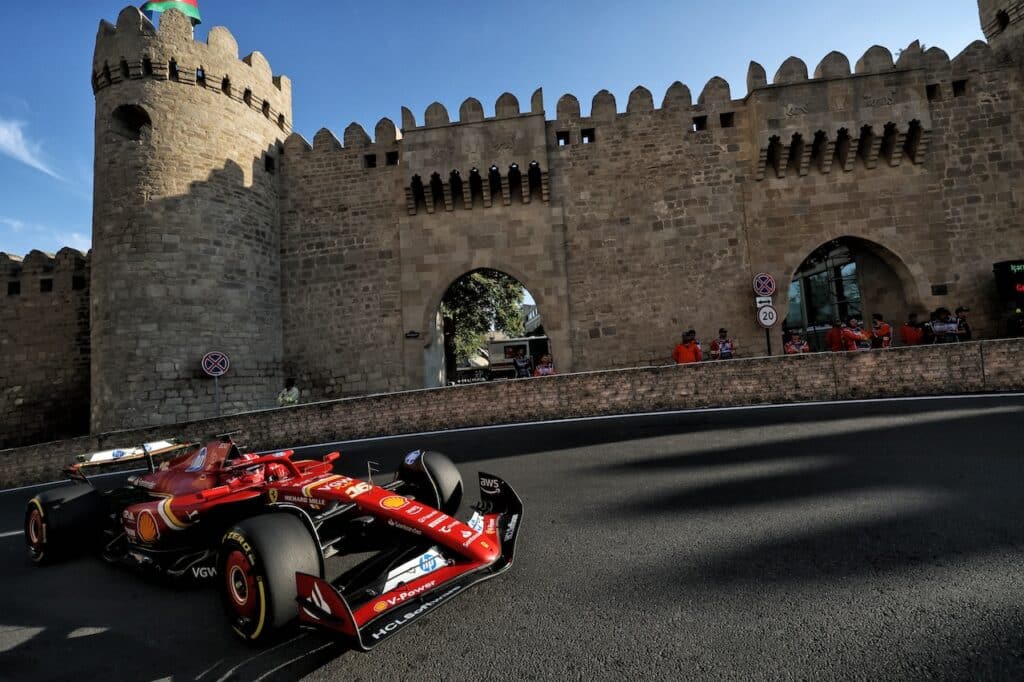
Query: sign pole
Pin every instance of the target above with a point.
(768, 340)
(216, 390)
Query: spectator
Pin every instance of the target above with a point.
(723, 348)
(546, 367)
(521, 363)
(834, 337)
(289, 395)
(881, 332)
(688, 350)
(963, 327)
(944, 327)
(912, 332)
(796, 344)
(854, 338)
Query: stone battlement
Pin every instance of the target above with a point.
(135, 49)
(66, 261)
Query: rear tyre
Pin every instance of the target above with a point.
(258, 560)
(63, 522)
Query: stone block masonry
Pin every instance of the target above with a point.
(932, 370)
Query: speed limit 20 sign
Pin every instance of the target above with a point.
(767, 316)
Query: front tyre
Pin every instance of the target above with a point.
(258, 560)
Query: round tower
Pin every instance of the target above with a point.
(1002, 22)
(185, 222)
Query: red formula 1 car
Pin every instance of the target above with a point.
(263, 525)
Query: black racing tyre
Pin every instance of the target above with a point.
(258, 560)
(63, 522)
(433, 478)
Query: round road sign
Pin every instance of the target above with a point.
(767, 316)
(764, 284)
(216, 364)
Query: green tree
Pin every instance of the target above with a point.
(479, 302)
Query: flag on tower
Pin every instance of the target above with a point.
(190, 8)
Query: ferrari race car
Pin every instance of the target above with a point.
(262, 527)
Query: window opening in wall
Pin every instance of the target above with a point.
(95, 82)
(78, 282)
(934, 92)
(728, 119)
(172, 70)
(796, 152)
(266, 108)
(824, 288)
(455, 182)
(269, 164)
(588, 136)
(14, 288)
(280, 121)
(45, 286)
(124, 70)
(818, 147)
(370, 161)
(940, 290)
(773, 159)
(201, 76)
(129, 120)
(476, 186)
(515, 182)
(494, 180)
(867, 141)
(391, 158)
(106, 72)
(225, 86)
(247, 97)
(913, 140)
(147, 67)
(436, 190)
(1002, 20)
(889, 137)
(419, 195)
(699, 123)
(843, 146)
(562, 136)
(959, 88)
(533, 176)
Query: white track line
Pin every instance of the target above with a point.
(10, 534)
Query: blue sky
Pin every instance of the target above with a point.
(356, 61)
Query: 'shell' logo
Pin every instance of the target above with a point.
(393, 502)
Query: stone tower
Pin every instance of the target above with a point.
(1002, 22)
(186, 242)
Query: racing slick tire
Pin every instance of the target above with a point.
(62, 522)
(434, 478)
(258, 560)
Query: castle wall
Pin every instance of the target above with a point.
(44, 347)
(186, 235)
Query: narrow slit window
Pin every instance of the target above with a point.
(45, 285)
(391, 158)
(727, 120)
(562, 137)
(201, 76)
(934, 92)
(14, 288)
(959, 88)
(515, 182)
(225, 86)
(280, 121)
(476, 187)
(456, 184)
(266, 108)
(270, 164)
(172, 70)
(247, 97)
(588, 136)
(370, 161)
(700, 123)
(124, 70)
(147, 67)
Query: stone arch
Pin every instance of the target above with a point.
(130, 121)
(456, 272)
(887, 282)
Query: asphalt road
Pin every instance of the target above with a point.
(864, 540)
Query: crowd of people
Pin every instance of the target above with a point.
(849, 335)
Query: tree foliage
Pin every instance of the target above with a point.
(479, 302)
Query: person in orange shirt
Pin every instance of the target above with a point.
(911, 333)
(881, 332)
(854, 338)
(688, 350)
(834, 338)
(796, 344)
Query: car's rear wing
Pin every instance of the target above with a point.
(323, 605)
(125, 458)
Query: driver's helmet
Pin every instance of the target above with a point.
(276, 471)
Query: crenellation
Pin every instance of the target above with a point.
(471, 111)
(793, 70)
(640, 100)
(877, 59)
(436, 115)
(356, 137)
(537, 101)
(833, 65)
(506, 106)
(715, 95)
(677, 97)
(602, 107)
(568, 108)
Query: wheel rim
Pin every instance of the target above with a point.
(35, 532)
(241, 584)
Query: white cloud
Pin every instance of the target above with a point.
(14, 144)
(75, 240)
